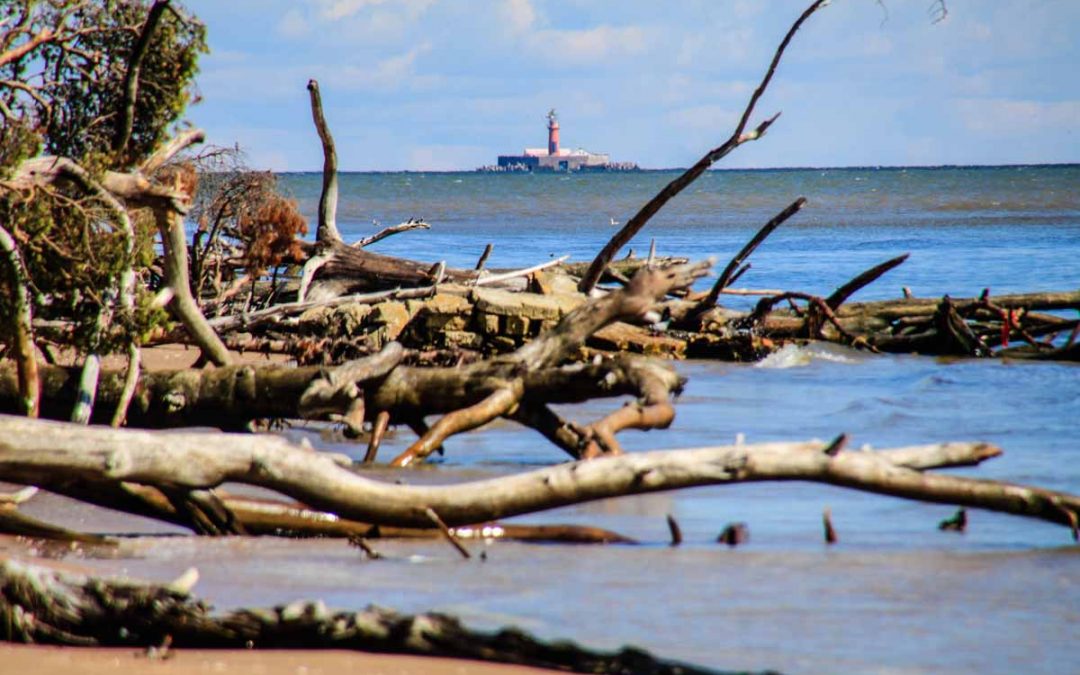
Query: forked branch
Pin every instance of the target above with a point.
(738, 137)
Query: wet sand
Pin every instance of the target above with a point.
(169, 357)
(29, 660)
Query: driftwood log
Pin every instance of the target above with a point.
(44, 606)
(56, 456)
(980, 327)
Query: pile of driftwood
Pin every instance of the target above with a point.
(346, 301)
(379, 340)
(396, 341)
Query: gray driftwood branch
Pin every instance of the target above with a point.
(52, 454)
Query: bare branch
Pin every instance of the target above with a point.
(131, 77)
(327, 230)
(51, 454)
(23, 328)
(729, 273)
(411, 224)
(738, 137)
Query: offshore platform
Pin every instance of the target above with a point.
(554, 158)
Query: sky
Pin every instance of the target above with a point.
(451, 84)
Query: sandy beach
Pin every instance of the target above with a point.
(30, 660)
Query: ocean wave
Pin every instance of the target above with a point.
(797, 356)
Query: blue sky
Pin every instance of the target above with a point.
(449, 84)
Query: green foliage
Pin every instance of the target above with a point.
(71, 89)
(17, 142)
(88, 93)
(75, 257)
(65, 97)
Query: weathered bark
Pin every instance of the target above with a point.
(965, 327)
(217, 513)
(131, 380)
(327, 229)
(411, 224)
(355, 269)
(470, 395)
(484, 256)
(46, 606)
(225, 324)
(52, 455)
(19, 525)
(496, 387)
(907, 308)
(841, 294)
(29, 391)
(174, 243)
(624, 267)
(131, 76)
(231, 397)
(136, 190)
(738, 137)
(227, 397)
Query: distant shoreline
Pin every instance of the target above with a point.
(914, 167)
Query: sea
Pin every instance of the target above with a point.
(894, 594)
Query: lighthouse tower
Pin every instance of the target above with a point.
(553, 132)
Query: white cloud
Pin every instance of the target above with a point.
(588, 46)
(1017, 117)
(349, 21)
(517, 15)
(702, 51)
(714, 118)
(391, 73)
(332, 10)
(293, 24)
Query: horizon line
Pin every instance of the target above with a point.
(852, 167)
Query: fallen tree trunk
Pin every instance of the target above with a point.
(52, 454)
(45, 606)
(218, 513)
(348, 269)
(942, 326)
(232, 397)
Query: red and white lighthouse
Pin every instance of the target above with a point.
(553, 132)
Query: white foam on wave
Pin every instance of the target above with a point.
(798, 356)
